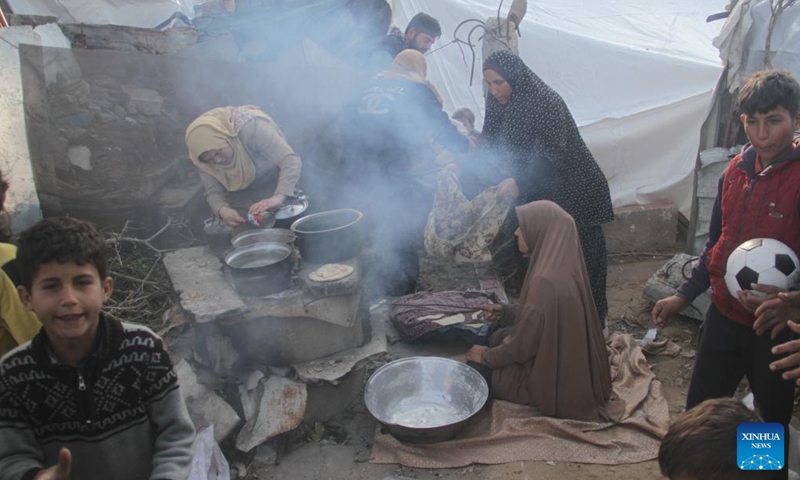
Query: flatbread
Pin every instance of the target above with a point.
(330, 272)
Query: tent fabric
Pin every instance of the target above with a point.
(638, 77)
(742, 42)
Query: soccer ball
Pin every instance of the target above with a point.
(762, 260)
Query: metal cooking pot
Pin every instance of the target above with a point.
(425, 399)
(290, 211)
(264, 235)
(260, 269)
(329, 237)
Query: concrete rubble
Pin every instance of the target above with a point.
(205, 406)
(668, 278)
(204, 291)
(275, 405)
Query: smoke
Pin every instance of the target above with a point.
(303, 63)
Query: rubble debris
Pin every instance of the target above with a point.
(277, 405)
(205, 406)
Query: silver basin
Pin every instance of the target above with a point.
(425, 399)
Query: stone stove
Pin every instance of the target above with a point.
(300, 355)
(309, 320)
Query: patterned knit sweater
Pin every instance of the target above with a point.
(122, 415)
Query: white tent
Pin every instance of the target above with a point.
(638, 76)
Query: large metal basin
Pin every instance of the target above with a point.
(425, 399)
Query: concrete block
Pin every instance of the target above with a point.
(141, 101)
(204, 405)
(642, 228)
(667, 279)
(205, 293)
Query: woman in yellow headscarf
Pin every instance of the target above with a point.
(245, 162)
(17, 324)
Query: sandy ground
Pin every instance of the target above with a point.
(343, 452)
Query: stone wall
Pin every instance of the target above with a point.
(106, 128)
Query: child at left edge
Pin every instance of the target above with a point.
(89, 397)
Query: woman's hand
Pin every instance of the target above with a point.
(475, 354)
(491, 312)
(230, 217)
(267, 204)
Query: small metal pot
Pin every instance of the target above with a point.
(260, 269)
(290, 211)
(264, 235)
(329, 237)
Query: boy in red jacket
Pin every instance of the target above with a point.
(758, 197)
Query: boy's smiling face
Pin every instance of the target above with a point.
(771, 133)
(67, 298)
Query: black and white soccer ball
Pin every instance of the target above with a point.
(762, 260)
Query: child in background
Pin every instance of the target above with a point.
(89, 397)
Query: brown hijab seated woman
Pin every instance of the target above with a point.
(245, 163)
(549, 352)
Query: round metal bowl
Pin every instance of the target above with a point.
(264, 235)
(425, 399)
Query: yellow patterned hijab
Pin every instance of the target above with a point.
(219, 128)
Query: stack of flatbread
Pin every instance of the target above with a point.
(330, 272)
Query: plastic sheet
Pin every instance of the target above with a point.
(208, 462)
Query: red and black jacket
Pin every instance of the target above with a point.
(750, 204)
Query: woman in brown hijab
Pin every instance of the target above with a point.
(549, 352)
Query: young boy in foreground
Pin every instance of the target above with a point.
(89, 397)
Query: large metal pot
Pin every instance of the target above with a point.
(260, 269)
(425, 399)
(329, 237)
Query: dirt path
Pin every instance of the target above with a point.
(629, 313)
